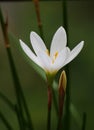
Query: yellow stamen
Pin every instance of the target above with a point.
(55, 56)
(47, 52)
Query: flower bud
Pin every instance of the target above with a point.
(63, 81)
(61, 90)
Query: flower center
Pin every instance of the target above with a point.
(54, 56)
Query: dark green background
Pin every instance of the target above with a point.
(22, 20)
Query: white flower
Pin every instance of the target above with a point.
(58, 56)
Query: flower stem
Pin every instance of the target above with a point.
(61, 105)
(55, 101)
(49, 108)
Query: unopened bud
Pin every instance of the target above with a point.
(63, 81)
(62, 88)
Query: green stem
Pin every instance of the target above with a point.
(55, 101)
(15, 79)
(8, 126)
(67, 104)
(84, 121)
(37, 8)
(61, 106)
(19, 117)
(18, 90)
(49, 108)
(16, 84)
(65, 18)
(30, 125)
(19, 94)
(7, 101)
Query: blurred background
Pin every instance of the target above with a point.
(22, 20)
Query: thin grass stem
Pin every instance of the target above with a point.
(7, 124)
(67, 104)
(37, 8)
(84, 121)
(29, 124)
(18, 89)
(21, 127)
(7, 101)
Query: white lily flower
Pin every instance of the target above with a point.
(58, 56)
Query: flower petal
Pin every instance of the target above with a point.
(74, 52)
(60, 60)
(59, 41)
(37, 43)
(29, 53)
(45, 60)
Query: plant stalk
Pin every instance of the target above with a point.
(18, 89)
(8, 126)
(84, 121)
(67, 104)
(37, 8)
(49, 108)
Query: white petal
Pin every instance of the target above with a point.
(75, 52)
(59, 41)
(45, 60)
(37, 42)
(60, 60)
(29, 53)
